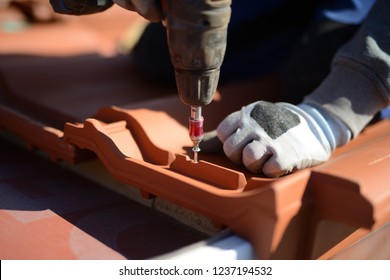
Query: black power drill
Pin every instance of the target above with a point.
(197, 36)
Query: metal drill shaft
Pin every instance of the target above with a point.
(196, 129)
(196, 112)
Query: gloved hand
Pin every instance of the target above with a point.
(149, 9)
(279, 138)
(80, 7)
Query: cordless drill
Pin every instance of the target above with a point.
(197, 34)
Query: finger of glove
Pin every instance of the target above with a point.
(229, 126)
(79, 7)
(149, 9)
(126, 4)
(289, 154)
(276, 157)
(254, 155)
(235, 144)
(279, 164)
(274, 168)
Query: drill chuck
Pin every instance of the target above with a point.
(197, 34)
(197, 88)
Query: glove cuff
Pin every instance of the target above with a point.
(336, 132)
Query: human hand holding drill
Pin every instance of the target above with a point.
(277, 139)
(149, 9)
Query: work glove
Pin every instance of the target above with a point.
(277, 139)
(149, 9)
(80, 7)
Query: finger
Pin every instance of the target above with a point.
(150, 9)
(228, 126)
(277, 166)
(234, 145)
(126, 4)
(254, 155)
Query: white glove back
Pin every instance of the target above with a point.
(279, 138)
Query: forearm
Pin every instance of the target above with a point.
(359, 83)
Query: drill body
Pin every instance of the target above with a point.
(197, 36)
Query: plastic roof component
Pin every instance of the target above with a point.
(279, 216)
(48, 212)
(139, 132)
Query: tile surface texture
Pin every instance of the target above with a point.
(80, 99)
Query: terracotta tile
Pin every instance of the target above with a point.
(85, 97)
(49, 213)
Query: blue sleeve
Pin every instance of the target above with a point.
(345, 11)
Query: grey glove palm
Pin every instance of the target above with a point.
(277, 139)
